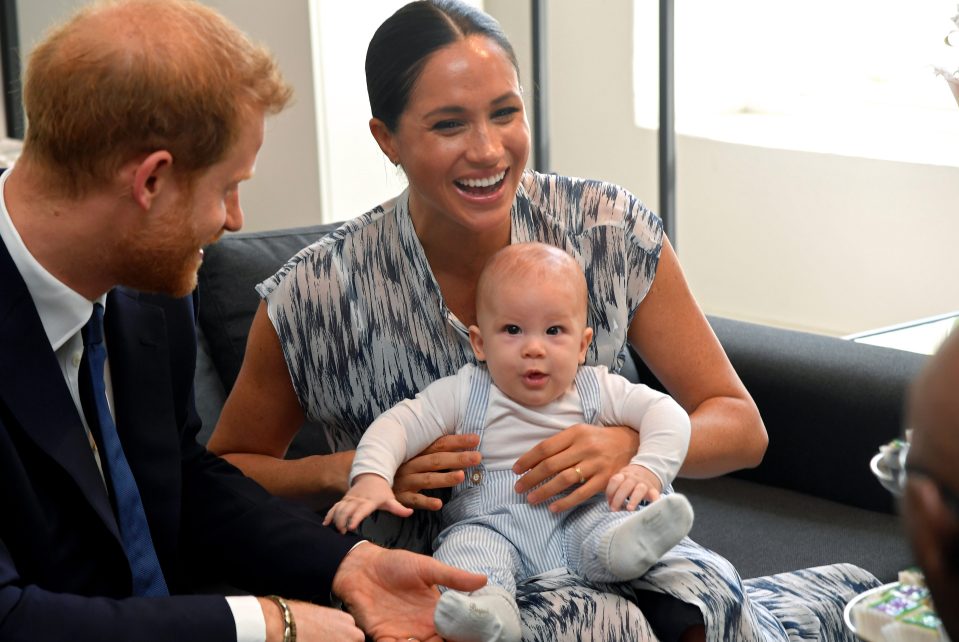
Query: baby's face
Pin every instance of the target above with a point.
(533, 336)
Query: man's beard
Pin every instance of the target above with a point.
(165, 256)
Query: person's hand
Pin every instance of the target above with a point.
(439, 466)
(581, 455)
(312, 622)
(369, 493)
(630, 486)
(392, 593)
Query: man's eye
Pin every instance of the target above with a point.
(512, 329)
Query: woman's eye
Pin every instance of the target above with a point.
(504, 113)
(446, 125)
(512, 329)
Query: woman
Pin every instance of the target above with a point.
(376, 311)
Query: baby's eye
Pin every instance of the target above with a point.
(512, 329)
(554, 330)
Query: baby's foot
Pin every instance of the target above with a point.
(488, 615)
(630, 549)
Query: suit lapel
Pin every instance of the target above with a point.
(33, 389)
(138, 351)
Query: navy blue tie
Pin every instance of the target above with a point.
(132, 520)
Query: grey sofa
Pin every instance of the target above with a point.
(827, 403)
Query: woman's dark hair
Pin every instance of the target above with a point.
(404, 42)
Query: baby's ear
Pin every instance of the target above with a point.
(476, 341)
(587, 339)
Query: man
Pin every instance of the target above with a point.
(930, 503)
(144, 116)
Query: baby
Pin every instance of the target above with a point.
(532, 336)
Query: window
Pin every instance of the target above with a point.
(855, 77)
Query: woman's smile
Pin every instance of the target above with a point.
(483, 189)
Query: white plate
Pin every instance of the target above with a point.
(847, 612)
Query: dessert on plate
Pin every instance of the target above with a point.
(899, 612)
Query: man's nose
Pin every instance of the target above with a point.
(234, 213)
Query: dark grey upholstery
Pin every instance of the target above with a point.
(827, 403)
(230, 270)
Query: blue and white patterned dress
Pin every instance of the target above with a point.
(363, 325)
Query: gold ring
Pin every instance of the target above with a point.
(582, 480)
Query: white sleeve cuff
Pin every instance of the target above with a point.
(250, 623)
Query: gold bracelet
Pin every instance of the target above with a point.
(289, 625)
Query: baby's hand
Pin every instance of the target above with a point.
(369, 493)
(631, 485)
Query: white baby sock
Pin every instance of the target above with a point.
(630, 549)
(487, 615)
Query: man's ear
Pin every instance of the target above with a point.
(151, 176)
(587, 338)
(384, 138)
(476, 340)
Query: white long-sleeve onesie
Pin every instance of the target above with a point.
(512, 429)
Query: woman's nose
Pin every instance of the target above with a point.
(486, 146)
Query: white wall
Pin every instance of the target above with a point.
(357, 173)
(820, 242)
(813, 241)
(286, 188)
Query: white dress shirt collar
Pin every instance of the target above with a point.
(62, 311)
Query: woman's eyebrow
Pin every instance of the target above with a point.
(454, 110)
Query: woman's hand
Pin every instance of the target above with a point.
(439, 466)
(581, 455)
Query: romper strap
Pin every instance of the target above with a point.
(474, 420)
(587, 386)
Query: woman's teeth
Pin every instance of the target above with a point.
(479, 183)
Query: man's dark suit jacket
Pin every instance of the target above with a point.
(63, 573)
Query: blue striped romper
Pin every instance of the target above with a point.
(494, 531)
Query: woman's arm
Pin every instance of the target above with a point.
(262, 415)
(260, 418)
(671, 334)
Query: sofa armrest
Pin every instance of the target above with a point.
(828, 404)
